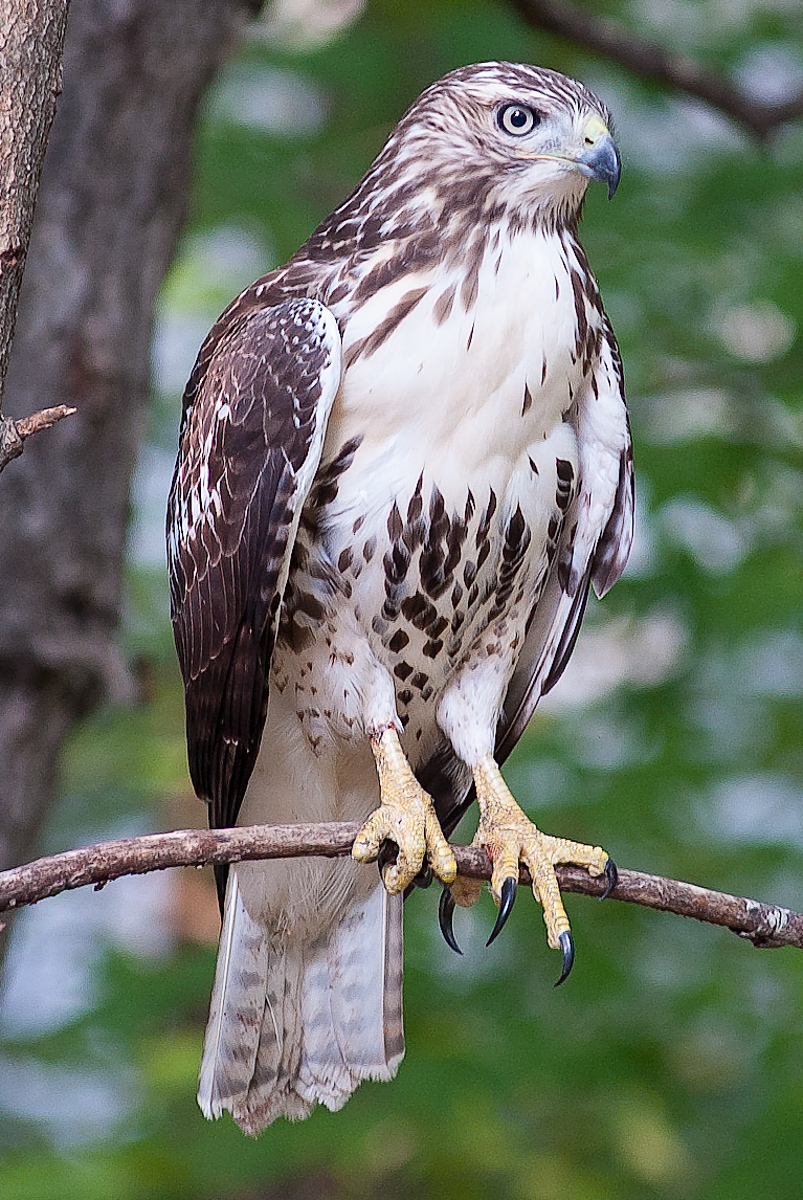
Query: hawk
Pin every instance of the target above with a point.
(404, 457)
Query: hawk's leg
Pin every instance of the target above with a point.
(406, 816)
(510, 837)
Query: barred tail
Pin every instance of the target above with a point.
(295, 1023)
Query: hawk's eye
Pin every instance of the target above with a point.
(517, 120)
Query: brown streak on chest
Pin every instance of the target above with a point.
(367, 345)
(443, 305)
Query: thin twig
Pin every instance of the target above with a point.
(766, 925)
(615, 41)
(14, 433)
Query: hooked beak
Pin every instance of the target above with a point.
(600, 160)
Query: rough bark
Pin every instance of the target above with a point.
(112, 199)
(765, 925)
(31, 46)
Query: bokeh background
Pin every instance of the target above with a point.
(671, 1064)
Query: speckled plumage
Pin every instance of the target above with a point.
(404, 457)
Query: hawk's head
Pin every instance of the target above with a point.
(522, 137)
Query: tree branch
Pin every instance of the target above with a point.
(615, 41)
(765, 925)
(14, 433)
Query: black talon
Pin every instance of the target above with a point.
(387, 856)
(567, 946)
(424, 877)
(445, 913)
(612, 877)
(505, 905)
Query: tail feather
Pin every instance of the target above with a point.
(324, 1074)
(367, 1000)
(238, 1001)
(269, 1093)
(295, 1020)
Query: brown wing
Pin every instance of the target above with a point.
(255, 415)
(552, 636)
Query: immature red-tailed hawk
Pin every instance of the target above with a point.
(404, 457)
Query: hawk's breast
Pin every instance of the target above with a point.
(451, 458)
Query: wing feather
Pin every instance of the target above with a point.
(255, 416)
(595, 543)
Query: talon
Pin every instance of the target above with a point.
(445, 914)
(611, 877)
(387, 855)
(510, 838)
(567, 946)
(424, 877)
(403, 832)
(505, 905)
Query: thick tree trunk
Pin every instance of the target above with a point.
(31, 47)
(113, 196)
(31, 43)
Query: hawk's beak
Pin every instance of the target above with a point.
(600, 158)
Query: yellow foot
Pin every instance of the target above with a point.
(510, 838)
(406, 816)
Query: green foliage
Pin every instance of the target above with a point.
(669, 1067)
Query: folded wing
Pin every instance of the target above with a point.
(255, 416)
